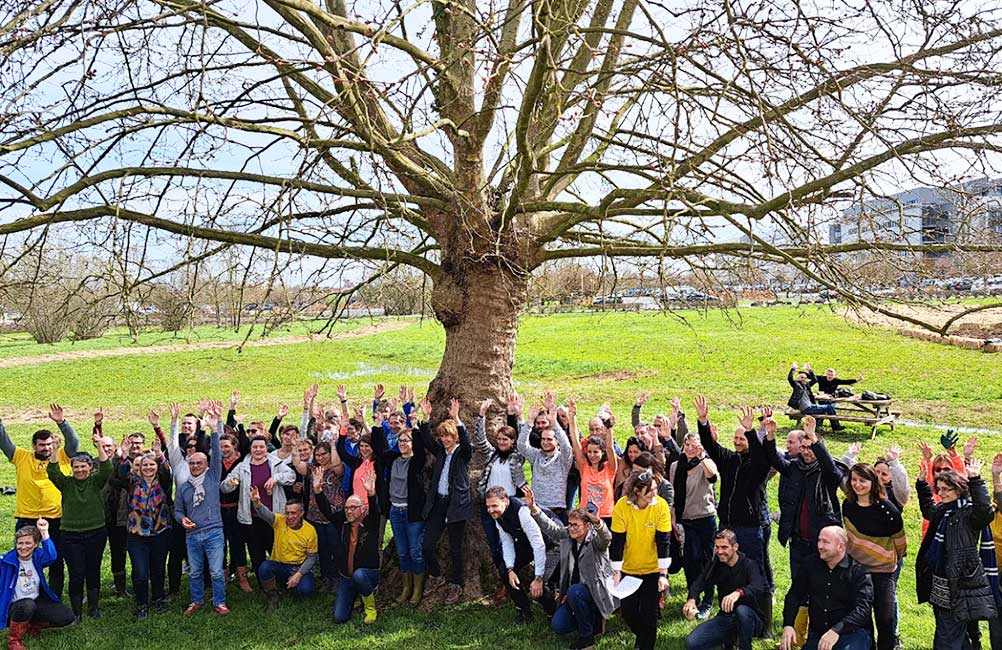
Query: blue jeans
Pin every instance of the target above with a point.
(281, 572)
(698, 551)
(363, 582)
(578, 613)
(858, 640)
(212, 543)
(409, 538)
(740, 625)
(149, 563)
(819, 409)
(951, 634)
(327, 539)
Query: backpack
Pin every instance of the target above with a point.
(843, 391)
(871, 395)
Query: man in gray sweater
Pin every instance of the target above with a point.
(551, 463)
(197, 510)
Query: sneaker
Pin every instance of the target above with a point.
(453, 593)
(192, 608)
(142, 613)
(222, 610)
(161, 605)
(704, 611)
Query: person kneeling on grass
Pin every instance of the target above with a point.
(740, 586)
(27, 605)
(358, 559)
(293, 554)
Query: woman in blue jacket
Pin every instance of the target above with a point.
(27, 605)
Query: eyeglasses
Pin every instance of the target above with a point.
(352, 507)
(253, 430)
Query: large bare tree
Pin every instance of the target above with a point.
(475, 141)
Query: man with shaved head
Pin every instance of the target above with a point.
(838, 594)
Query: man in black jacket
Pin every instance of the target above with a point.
(838, 594)
(740, 587)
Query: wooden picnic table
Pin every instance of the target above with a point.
(874, 412)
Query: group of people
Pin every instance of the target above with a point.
(303, 507)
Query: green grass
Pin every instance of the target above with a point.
(734, 358)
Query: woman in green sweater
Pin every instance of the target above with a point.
(84, 534)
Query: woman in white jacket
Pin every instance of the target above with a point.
(268, 474)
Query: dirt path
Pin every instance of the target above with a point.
(73, 355)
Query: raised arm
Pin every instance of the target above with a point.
(610, 445)
(71, 443)
(575, 440)
(899, 476)
(480, 443)
(6, 444)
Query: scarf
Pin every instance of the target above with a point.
(198, 482)
(147, 512)
(682, 469)
(936, 555)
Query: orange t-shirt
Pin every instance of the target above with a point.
(597, 488)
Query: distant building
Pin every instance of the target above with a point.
(969, 213)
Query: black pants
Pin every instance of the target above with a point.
(640, 611)
(519, 597)
(236, 550)
(149, 556)
(40, 610)
(884, 600)
(56, 571)
(177, 552)
(434, 528)
(117, 543)
(84, 552)
(259, 537)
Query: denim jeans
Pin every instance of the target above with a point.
(327, 539)
(409, 538)
(858, 640)
(577, 614)
(363, 582)
(210, 542)
(149, 562)
(738, 626)
(819, 409)
(951, 634)
(281, 572)
(751, 544)
(698, 551)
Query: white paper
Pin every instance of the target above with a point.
(627, 585)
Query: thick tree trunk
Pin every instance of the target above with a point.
(479, 307)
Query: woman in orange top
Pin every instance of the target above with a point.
(596, 466)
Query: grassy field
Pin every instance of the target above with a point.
(734, 358)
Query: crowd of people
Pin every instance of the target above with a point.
(291, 510)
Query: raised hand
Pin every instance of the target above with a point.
(926, 451)
(534, 412)
(514, 404)
(377, 392)
(572, 409)
(974, 468)
(949, 440)
(548, 401)
(769, 423)
(528, 497)
(410, 394)
(255, 495)
(175, 411)
(369, 483)
(402, 395)
(713, 431)
(454, 408)
(997, 465)
(318, 478)
(676, 404)
(203, 406)
(234, 400)
(156, 447)
(99, 417)
(923, 469)
(970, 446)
(154, 419)
(642, 398)
(342, 392)
(893, 453)
(855, 448)
(43, 527)
(283, 410)
(810, 425)
(425, 407)
(702, 410)
(485, 406)
(746, 416)
(56, 413)
(213, 411)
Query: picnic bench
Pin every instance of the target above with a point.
(873, 412)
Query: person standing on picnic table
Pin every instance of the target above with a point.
(27, 604)
(84, 532)
(802, 399)
(828, 383)
(36, 497)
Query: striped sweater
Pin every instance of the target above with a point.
(876, 535)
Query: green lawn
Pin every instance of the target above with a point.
(734, 358)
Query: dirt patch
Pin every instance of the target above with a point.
(618, 375)
(935, 315)
(74, 355)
